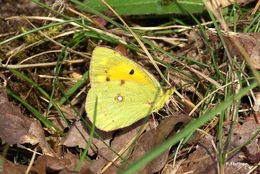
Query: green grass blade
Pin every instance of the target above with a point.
(136, 7)
(35, 112)
(91, 135)
(74, 88)
(30, 81)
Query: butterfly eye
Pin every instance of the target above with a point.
(132, 72)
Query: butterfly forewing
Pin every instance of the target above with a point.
(106, 65)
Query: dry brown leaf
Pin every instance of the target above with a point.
(45, 163)
(106, 155)
(79, 136)
(249, 41)
(121, 49)
(14, 126)
(251, 158)
(7, 167)
(37, 132)
(202, 160)
(69, 114)
(153, 138)
(98, 21)
(243, 132)
(19, 129)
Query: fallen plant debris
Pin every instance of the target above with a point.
(19, 129)
(249, 41)
(154, 137)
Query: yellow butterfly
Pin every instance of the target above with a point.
(122, 92)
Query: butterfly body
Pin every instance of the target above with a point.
(122, 92)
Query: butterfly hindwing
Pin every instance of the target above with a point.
(119, 105)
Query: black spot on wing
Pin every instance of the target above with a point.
(132, 72)
(122, 82)
(107, 79)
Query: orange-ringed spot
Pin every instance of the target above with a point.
(119, 98)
